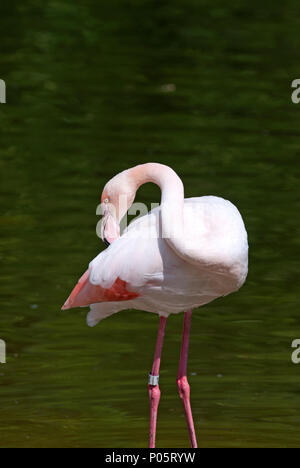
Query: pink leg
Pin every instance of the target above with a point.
(182, 382)
(153, 388)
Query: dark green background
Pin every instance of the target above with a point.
(87, 98)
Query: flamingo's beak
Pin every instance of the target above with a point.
(110, 229)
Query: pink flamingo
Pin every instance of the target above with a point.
(183, 254)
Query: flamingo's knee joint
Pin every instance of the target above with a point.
(154, 395)
(183, 387)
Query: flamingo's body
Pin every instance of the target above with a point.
(182, 255)
(155, 279)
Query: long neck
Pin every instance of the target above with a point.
(171, 186)
(172, 203)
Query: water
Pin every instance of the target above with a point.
(94, 88)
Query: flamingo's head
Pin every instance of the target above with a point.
(117, 197)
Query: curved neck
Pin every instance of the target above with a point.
(171, 186)
(172, 203)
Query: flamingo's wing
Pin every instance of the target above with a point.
(132, 257)
(86, 293)
(118, 272)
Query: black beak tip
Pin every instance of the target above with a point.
(106, 242)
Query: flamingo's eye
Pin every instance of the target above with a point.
(106, 200)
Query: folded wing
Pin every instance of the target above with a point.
(86, 293)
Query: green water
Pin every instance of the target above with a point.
(87, 98)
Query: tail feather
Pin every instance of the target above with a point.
(85, 293)
(101, 311)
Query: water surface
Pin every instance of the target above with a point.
(94, 88)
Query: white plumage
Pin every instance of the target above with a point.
(166, 283)
(183, 254)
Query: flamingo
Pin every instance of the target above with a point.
(183, 254)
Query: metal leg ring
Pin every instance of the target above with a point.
(153, 380)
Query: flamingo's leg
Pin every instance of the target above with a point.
(153, 388)
(182, 382)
